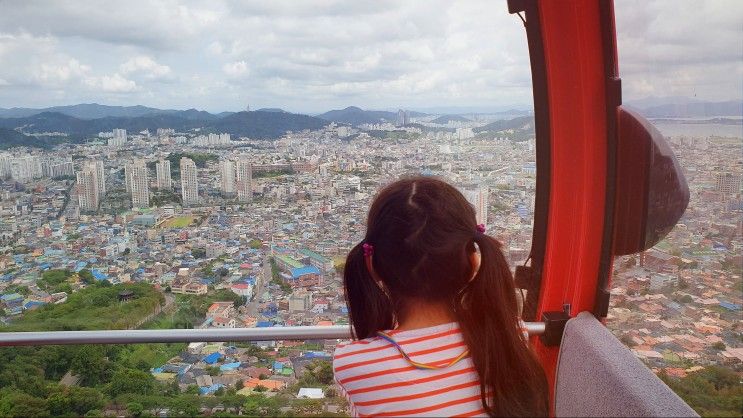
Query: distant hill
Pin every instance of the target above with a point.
(694, 110)
(259, 125)
(10, 138)
(263, 125)
(522, 122)
(271, 109)
(445, 119)
(353, 115)
(98, 111)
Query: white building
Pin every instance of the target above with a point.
(227, 173)
(477, 195)
(5, 160)
(244, 179)
(25, 168)
(189, 182)
(140, 184)
(87, 189)
(164, 179)
(118, 138)
(465, 133)
(100, 176)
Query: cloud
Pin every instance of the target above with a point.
(680, 48)
(145, 65)
(313, 55)
(62, 72)
(114, 83)
(236, 69)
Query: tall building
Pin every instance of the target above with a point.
(403, 117)
(189, 182)
(101, 177)
(87, 189)
(227, 172)
(128, 177)
(164, 180)
(118, 138)
(729, 183)
(477, 195)
(140, 185)
(244, 179)
(5, 159)
(25, 168)
(54, 167)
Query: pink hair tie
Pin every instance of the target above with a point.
(481, 228)
(368, 249)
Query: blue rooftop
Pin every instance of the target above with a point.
(99, 275)
(212, 358)
(304, 270)
(730, 306)
(229, 366)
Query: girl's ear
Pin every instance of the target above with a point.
(475, 260)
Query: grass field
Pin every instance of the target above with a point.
(178, 222)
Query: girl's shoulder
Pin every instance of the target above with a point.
(421, 335)
(349, 347)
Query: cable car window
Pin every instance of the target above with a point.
(677, 302)
(209, 166)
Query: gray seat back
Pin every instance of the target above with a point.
(597, 376)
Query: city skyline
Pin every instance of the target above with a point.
(378, 56)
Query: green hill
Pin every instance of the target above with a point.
(95, 307)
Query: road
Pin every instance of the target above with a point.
(265, 277)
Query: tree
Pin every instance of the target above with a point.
(131, 381)
(135, 408)
(719, 346)
(260, 388)
(19, 404)
(86, 276)
(198, 252)
(185, 407)
(255, 244)
(239, 385)
(90, 364)
(318, 372)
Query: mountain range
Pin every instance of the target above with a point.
(355, 116)
(97, 111)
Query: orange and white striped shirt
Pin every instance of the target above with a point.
(378, 381)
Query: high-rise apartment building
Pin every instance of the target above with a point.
(164, 180)
(244, 179)
(118, 138)
(53, 167)
(227, 173)
(477, 195)
(729, 183)
(5, 160)
(140, 185)
(101, 177)
(87, 189)
(189, 182)
(25, 168)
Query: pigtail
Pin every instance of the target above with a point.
(369, 308)
(512, 381)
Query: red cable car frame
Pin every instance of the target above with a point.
(598, 167)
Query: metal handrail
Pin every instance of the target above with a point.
(191, 335)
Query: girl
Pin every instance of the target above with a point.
(432, 303)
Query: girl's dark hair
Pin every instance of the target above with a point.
(423, 232)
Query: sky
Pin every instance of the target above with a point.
(312, 56)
